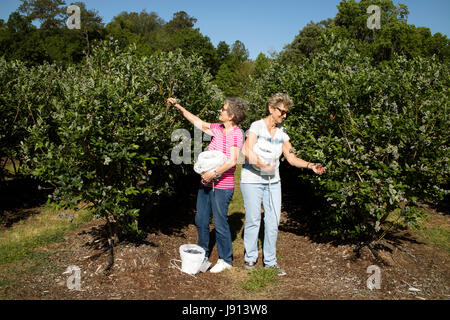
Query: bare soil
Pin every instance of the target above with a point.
(411, 265)
(411, 268)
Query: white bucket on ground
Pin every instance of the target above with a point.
(192, 257)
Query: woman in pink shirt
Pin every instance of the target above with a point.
(217, 187)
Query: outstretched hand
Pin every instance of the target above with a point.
(171, 101)
(317, 168)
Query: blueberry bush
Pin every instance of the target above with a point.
(381, 132)
(100, 133)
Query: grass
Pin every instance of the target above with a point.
(431, 227)
(259, 278)
(26, 236)
(237, 213)
(439, 236)
(9, 167)
(435, 228)
(21, 253)
(13, 276)
(237, 202)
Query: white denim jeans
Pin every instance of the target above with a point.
(254, 194)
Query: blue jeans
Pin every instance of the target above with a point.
(254, 194)
(217, 201)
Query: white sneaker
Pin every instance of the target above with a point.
(220, 266)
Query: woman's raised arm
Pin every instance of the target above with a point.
(196, 121)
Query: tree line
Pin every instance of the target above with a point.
(395, 36)
(53, 42)
(229, 64)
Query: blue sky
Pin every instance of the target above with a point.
(262, 26)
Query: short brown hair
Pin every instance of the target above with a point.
(277, 98)
(238, 108)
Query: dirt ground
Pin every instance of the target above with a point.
(411, 268)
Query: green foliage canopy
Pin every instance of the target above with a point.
(101, 134)
(382, 133)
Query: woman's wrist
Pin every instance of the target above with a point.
(307, 166)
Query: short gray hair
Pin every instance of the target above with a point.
(238, 108)
(277, 98)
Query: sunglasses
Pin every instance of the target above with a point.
(283, 112)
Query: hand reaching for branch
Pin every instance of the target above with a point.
(172, 101)
(317, 168)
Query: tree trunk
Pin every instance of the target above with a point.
(112, 238)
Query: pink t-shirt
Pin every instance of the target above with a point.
(224, 143)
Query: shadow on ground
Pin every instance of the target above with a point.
(20, 198)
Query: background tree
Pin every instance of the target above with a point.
(307, 42)
(180, 33)
(223, 51)
(52, 41)
(261, 63)
(234, 73)
(239, 51)
(140, 28)
(181, 20)
(67, 46)
(153, 35)
(19, 39)
(350, 23)
(92, 28)
(50, 13)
